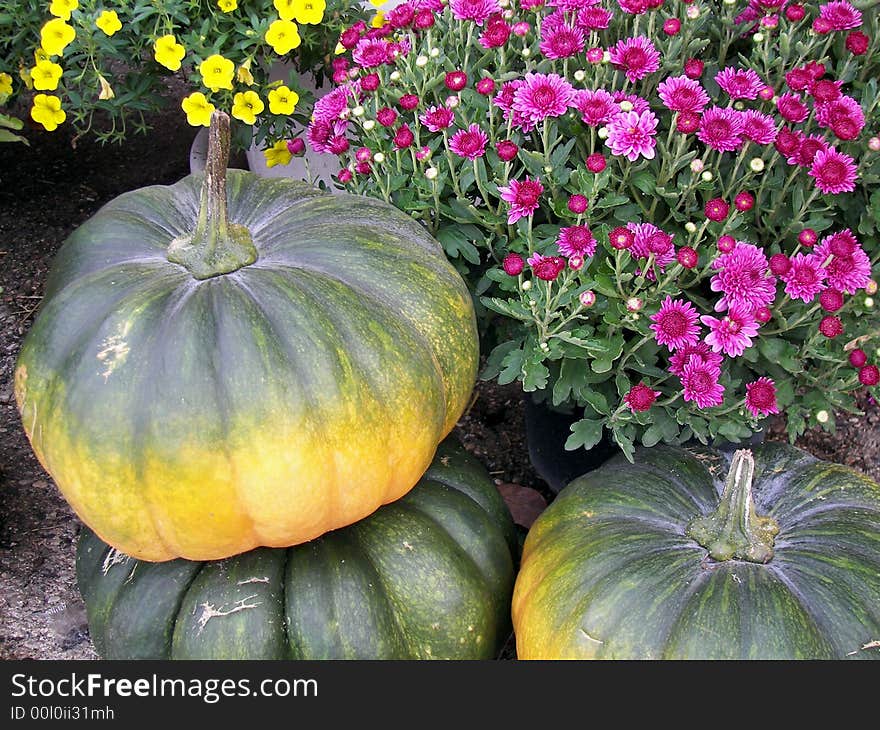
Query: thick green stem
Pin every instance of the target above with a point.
(216, 246)
(734, 530)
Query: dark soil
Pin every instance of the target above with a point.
(46, 190)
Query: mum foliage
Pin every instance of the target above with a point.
(659, 204)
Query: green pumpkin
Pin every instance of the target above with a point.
(208, 376)
(427, 577)
(645, 561)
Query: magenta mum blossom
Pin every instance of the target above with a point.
(681, 94)
(806, 277)
(834, 172)
(632, 135)
(370, 53)
(761, 397)
(636, 57)
(469, 143)
(675, 324)
(576, 241)
(758, 127)
(731, 334)
(596, 107)
(679, 360)
(640, 397)
(523, 197)
(700, 385)
(437, 118)
(546, 268)
(743, 278)
(479, 11)
(649, 241)
(840, 15)
(721, 129)
(849, 268)
(561, 41)
(541, 96)
(739, 83)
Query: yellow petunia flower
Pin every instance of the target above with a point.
(277, 154)
(45, 75)
(63, 8)
(47, 111)
(108, 21)
(55, 36)
(198, 109)
(5, 84)
(378, 19)
(40, 55)
(340, 49)
(283, 36)
(378, 3)
(282, 100)
(168, 52)
(217, 72)
(285, 8)
(244, 75)
(308, 12)
(227, 6)
(246, 105)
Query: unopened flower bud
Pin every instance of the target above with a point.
(869, 302)
(634, 304)
(606, 56)
(422, 61)
(379, 157)
(603, 133)
(874, 144)
(758, 38)
(545, 347)
(358, 111)
(587, 298)
(697, 165)
(579, 75)
(431, 173)
(707, 176)
(871, 287)
(526, 285)
(548, 169)
(626, 105)
(690, 227)
(452, 101)
(434, 52)
(822, 416)
(369, 124)
(693, 12)
(756, 164)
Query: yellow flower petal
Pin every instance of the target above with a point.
(227, 6)
(168, 52)
(47, 111)
(217, 72)
(63, 8)
(277, 154)
(282, 100)
(283, 36)
(45, 75)
(246, 106)
(108, 22)
(198, 109)
(55, 36)
(5, 85)
(106, 90)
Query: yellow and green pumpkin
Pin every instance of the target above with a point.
(697, 554)
(206, 377)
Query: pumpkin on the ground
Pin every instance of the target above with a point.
(429, 576)
(642, 561)
(198, 383)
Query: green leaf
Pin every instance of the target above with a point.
(585, 433)
(508, 307)
(535, 375)
(512, 365)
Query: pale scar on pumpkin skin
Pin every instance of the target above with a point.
(114, 350)
(210, 611)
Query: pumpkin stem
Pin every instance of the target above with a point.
(216, 246)
(734, 530)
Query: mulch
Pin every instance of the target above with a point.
(49, 188)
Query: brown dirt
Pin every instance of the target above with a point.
(48, 189)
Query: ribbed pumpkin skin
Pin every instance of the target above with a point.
(200, 419)
(427, 577)
(609, 573)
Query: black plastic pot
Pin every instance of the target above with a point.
(546, 432)
(548, 429)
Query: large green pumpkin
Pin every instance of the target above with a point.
(427, 577)
(642, 561)
(202, 380)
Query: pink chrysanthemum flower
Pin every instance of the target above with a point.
(850, 268)
(641, 397)
(546, 267)
(576, 241)
(700, 384)
(739, 83)
(637, 57)
(743, 278)
(597, 108)
(370, 53)
(561, 41)
(758, 127)
(721, 129)
(542, 96)
(633, 7)
(469, 143)
(593, 18)
(840, 15)
(681, 94)
(331, 107)
(843, 116)
(504, 98)
(479, 11)
(731, 334)
(632, 135)
(809, 147)
(523, 198)
(495, 33)
(675, 324)
(324, 137)
(437, 118)
(806, 277)
(680, 359)
(761, 397)
(648, 241)
(791, 108)
(834, 172)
